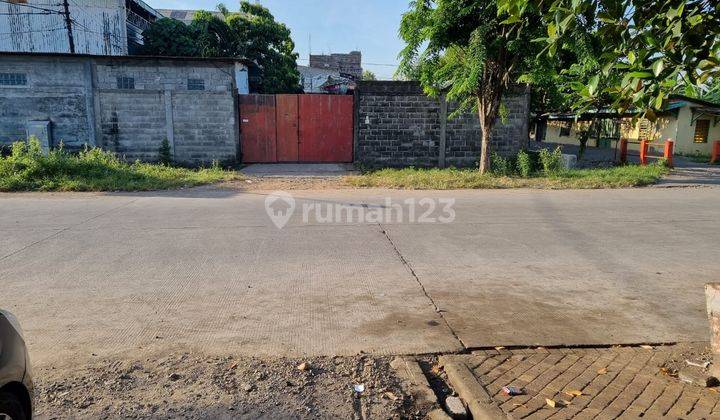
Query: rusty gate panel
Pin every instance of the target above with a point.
(258, 128)
(296, 128)
(287, 127)
(326, 128)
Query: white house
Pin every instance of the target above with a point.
(693, 125)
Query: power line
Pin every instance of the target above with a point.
(33, 31)
(34, 7)
(25, 13)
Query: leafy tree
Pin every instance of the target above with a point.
(650, 49)
(213, 38)
(368, 75)
(712, 93)
(258, 37)
(469, 48)
(252, 34)
(170, 37)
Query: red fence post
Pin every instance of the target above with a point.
(623, 150)
(643, 152)
(669, 146)
(715, 152)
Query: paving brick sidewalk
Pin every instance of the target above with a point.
(626, 382)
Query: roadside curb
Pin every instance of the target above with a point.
(409, 370)
(481, 405)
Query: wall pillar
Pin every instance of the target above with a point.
(169, 126)
(443, 131)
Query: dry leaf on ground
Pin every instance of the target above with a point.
(573, 393)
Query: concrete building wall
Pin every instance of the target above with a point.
(204, 125)
(398, 125)
(350, 64)
(133, 124)
(85, 103)
(56, 90)
(99, 27)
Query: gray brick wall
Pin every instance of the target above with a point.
(56, 91)
(133, 124)
(79, 96)
(398, 125)
(204, 127)
(164, 75)
(350, 63)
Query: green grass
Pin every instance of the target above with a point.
(27, 169)
(448, 179)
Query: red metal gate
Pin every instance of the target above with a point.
(296, 128)
(257, 117)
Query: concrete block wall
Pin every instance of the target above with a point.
(350, 63)
(56, 91)
(80, 97)
(132, 124)
(164, 75)
(398, 125)
(200, 125)
(204, 125)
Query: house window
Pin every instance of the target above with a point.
(126, 82)
(196, 84)
(565, 129)
(13, 79)
(701, 131)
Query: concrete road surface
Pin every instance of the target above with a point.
(206, 269)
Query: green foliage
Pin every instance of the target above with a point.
(524, 164)
(647, 50)
(469, 49)
(28, 169)
(551, 162)
(447, 179)
(252, 34)
(170, 37)
(164, 153)
(368, 75)
(500, 165)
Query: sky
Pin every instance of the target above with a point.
(339, 26)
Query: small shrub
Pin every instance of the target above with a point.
(92, 169)
(551, 161)
(524, 164)
(500, 165)
(164, 154)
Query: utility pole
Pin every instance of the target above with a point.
(68, 24)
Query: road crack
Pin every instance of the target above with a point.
(407, 265)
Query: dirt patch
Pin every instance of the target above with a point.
(288, 183)
(686, 357)
(195, 386)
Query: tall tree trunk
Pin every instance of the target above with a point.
(488, 113)
(485, 129)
